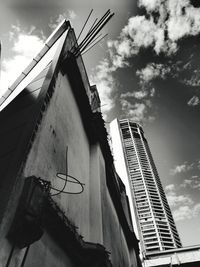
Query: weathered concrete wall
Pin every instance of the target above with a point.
(61, 126)
(113, 236)
(47, 253)
(93, 212)
(15, 133)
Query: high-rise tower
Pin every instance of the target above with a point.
(134, 163)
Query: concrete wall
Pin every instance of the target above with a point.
(62, 127)
(93, 212)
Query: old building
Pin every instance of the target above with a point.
(61, 201)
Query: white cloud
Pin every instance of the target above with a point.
(170, 187)
(182, 213)
(150, 5)
(25, 47)
(134, 94)
(174, 199)
(72, 14)
(187, 182)
(194, 101)
(182, 168)
(69, 15)
(186, 212)
(152, 92)
(184, 19)
(178, 169)
(167, 22)
(140, 32)
(136, 111)
(196, 210)
(105, 85)
(151, 71)
(183, 204)
(192, 183)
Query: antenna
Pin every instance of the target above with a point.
(91, 36)
(94, 43)
(84, 25)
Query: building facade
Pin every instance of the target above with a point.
(151, 213)
(61, 201)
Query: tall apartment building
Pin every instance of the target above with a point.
(151, 212)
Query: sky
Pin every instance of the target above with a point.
(147, 69)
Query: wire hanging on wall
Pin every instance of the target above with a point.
(65, 177)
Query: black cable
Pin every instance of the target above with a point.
(67, 192)
(66, 169)
(59, 175)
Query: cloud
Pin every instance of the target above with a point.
(196, 210)
(160, 28)
(163, 25)
(194, 101)
(105, 85)
(192, 183)
(134, 94)
(140, 32)
(174, 199)
(152, 71)
(69, 15)
(150, 5)
(182, 168)
(170, 187)
(24, 47)
(136, 111)
(186, 212)
(183, 213)
(183, 204)
(72, 14)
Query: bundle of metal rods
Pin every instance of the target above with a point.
(91, 38)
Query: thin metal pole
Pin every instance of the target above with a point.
(85, 24)
(89, 35)
(94, 45)
(98, 30)
(93, 25)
